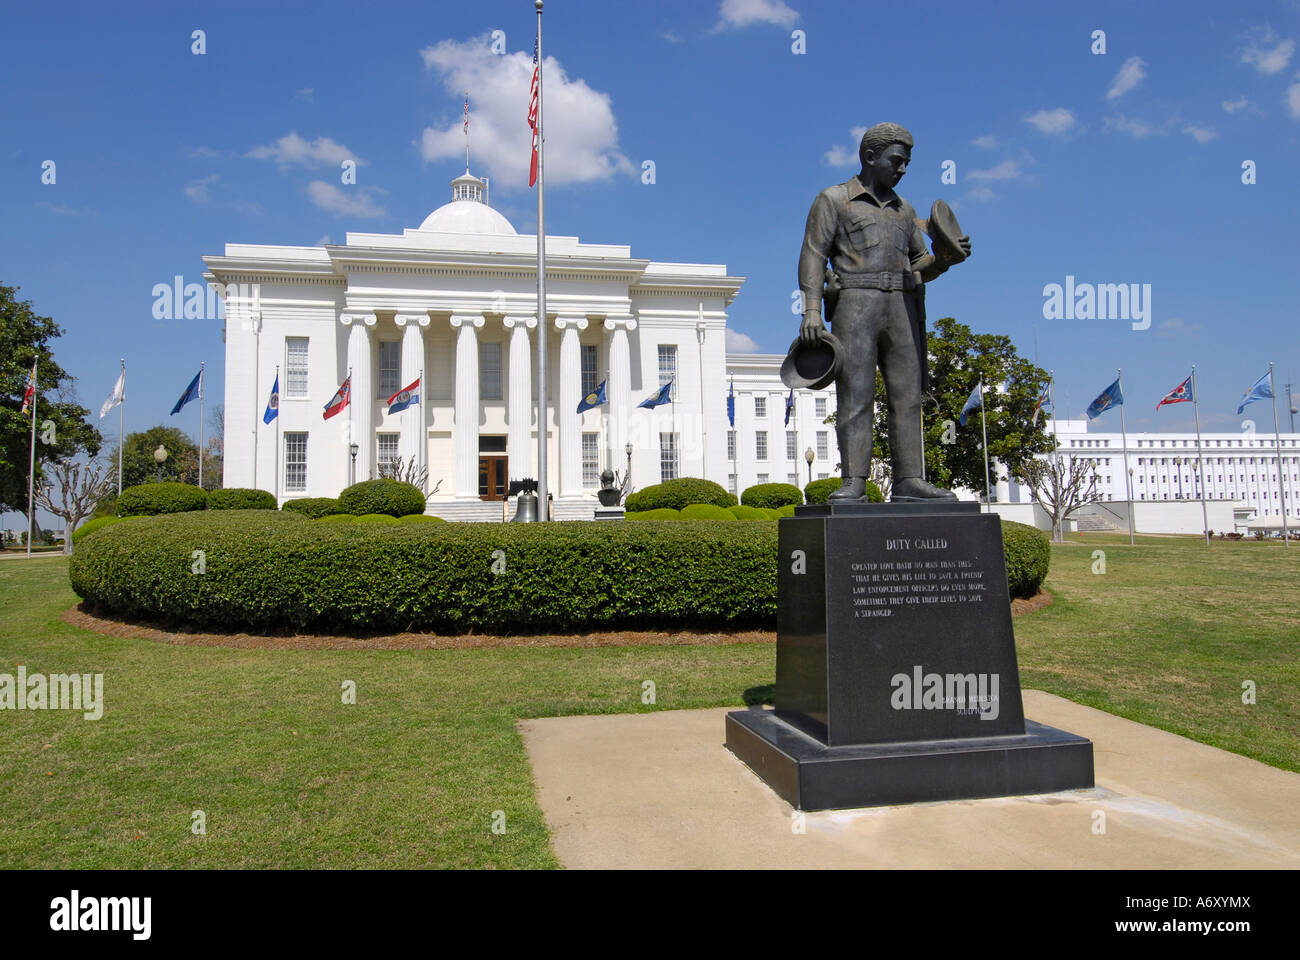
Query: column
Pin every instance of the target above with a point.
(568, 394)
(360, 413)
(467, 405)
(519, 411)
(620, 389)
(414, 438)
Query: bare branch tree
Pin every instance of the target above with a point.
(882, 475)
(1062, 485)
(407, 471)
(80, 487)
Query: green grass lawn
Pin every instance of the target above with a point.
(410, 776)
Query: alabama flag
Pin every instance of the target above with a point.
(340, 399)
(30, 392)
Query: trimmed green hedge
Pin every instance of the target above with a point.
(151, 499)
(787, 511)
(270, 572)
(706, 511)
(240, 498)
(92, 525)
(819, 491)
(1029, 554)
(771, 495)
(314, 507)
(743, 512)
(421, 518)
(662, 513)
(386, 495)
(337, 518)
(376, 518)
(679, 493)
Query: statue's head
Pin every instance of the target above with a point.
(885, 152)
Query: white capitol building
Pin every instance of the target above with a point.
(453, 302)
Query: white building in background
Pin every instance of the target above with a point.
(453, 302)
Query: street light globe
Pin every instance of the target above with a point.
(160, 454)
(809, 455)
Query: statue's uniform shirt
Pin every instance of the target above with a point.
(874, 245)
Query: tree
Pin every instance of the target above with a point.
(959, 358)
(139, 466)
(1062, 485)
(406, 471)
(80, 487)
(61, 427)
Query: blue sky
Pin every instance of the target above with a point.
(1122, 167)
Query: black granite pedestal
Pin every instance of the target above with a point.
(896, 673)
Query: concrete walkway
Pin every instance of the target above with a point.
(660, 790)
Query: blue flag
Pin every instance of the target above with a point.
(975, 401)
(191, 393)
(1262, 390)
(593, 399)
(1110, 397)
(789, 406)
(663, 395)
(405, 397)
(731, 405)
(273, 405)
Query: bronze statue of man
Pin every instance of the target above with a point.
(875, 304)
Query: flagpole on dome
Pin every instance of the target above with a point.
(1128, 476)
(1200, 456)
(539, 139)
(1277, 436)
(31, 469)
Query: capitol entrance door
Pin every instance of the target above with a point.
(492, 477)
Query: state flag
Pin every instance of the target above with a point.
(273, 404)
(661, 396)
(340, 399)
(29, 393)
(1179, 394)
(974, 402)
(1112, 396)
(593, 399)
(116, 397)
(191, 392)
(405, 397)
(1262, 390)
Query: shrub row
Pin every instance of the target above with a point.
(314, 507)
(272, 571)
(772, 495)
(1028, 556)
(819, 491)
(240, 498)
(388, 496)
(679, 493)
(90, 526)
(151, 499)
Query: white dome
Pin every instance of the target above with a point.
(467, 216)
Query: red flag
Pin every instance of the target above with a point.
(1179, 394)
(467, 112)
(340, 399)
(532, 116)
(30, 392)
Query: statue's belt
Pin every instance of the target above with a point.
(870, 281)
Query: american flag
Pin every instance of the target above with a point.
(533, 108)
(30, 392)
(1043, 401)
(1179, 394)
(467, 111)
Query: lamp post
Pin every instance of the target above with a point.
(628, 474)
(1178, 465)
(354, 447)
(159, 456)
(809, 456)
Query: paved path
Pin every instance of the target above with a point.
(660, 790)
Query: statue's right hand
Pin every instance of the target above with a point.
(812, 328)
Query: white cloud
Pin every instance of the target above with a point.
(1134, 127)
(1293, 99)
(1232, 106)
(737, 342)
(1177, 326)
(840, 156)
(981, 194)
(293, 149)
(1199, 134)
(353, 202)
(582, 135)
(1129, 76)
(739, 14)
(1266, 53)
(203, 153)
(986, 142)
(671, 37)
(306, 93)
(1006, 170)
(197, 190)
(58, 209)
(1055, 121)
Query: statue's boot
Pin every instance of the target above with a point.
(854, 488)
(916, 490)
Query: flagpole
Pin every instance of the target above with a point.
(422, 438)
(277, 436)
(201, 379)
(984, 424)
(1277, 436)
(542, 404)
(1123, 426)
(1057, 532)
(1200, 456)
(121, 418)
(31, 469)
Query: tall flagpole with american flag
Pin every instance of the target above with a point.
(467, 131)
(537, 177)
(29, 399)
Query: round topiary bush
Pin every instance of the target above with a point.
(314, 507)
(422, 518)
(337, 518)
(150, 499)
(706, 511)
(662, 513)
(819, 491)
(240, 498)
(771, 495)
(267, 571)
(743, 512)
(90, 526)
(1028, 556)
(388, 496)
(675, 494)
(786, 511)
(376, 518)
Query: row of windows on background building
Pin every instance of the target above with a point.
(822, 451)
(760, 407)
(1191, 444)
